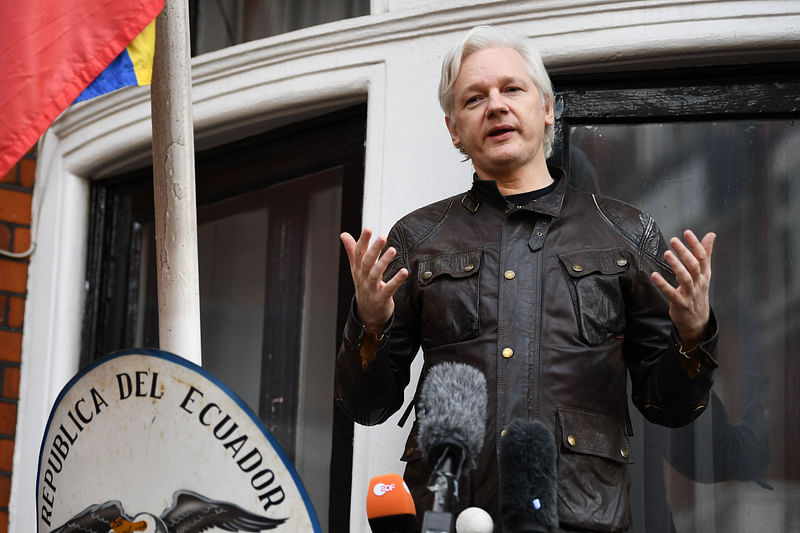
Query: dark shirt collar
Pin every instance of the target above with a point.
(487, 191)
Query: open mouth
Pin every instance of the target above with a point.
(499, 132)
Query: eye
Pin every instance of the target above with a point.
(513, 89)
(474, 99)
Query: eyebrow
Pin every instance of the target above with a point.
(505, 80)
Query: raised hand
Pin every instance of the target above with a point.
(689, 307)
(374, 297)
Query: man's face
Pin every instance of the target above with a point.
(498, 116)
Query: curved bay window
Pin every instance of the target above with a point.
(712, 151)
(274, 287)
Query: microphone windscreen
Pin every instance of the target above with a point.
(390, 507)
(474, 520)
(528, 477)
(452, 409)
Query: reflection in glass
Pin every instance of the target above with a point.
(734, 469)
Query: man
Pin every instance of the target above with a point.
(552, 293)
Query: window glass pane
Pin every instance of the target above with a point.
(221, 23)
(269, 269)
(315, 409)
(733, 470)
(232, 255)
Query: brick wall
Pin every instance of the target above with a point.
(16, 189)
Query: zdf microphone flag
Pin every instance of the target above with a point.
(390, 507)
(50, 51)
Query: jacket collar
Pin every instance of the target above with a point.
(487, 191)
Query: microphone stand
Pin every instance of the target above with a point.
(444, 485)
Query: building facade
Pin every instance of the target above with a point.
(687, 109)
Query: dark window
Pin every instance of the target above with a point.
(713, 150)
(274, 287)
(216, 24)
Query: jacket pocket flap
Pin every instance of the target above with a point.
(453, 264)
(605, 261)
(593, 433)
(411, 453)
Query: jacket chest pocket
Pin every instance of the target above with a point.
(450, 288)
(593, 277)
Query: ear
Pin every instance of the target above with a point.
(549, 114)
(451, 127)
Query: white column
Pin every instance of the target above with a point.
(174, 184)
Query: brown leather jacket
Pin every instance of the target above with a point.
(552, 301)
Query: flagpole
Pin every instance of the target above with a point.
(174, 185)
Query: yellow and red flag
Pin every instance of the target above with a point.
(52, 50)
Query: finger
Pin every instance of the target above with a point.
(669, 292)
(682, 274)
(687, 256)
(708, 245)
(371, 255)
(379, 266)
(394, 283)
(349, 244)
(708, 242)
(384, 260)
(697, 248)
(362, 245)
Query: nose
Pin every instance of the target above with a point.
(496, 103)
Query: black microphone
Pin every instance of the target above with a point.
(451, 423)
(528, 478)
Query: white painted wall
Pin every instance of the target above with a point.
(391, 60)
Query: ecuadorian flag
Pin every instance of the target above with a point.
(134, 66)
(52, 50)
